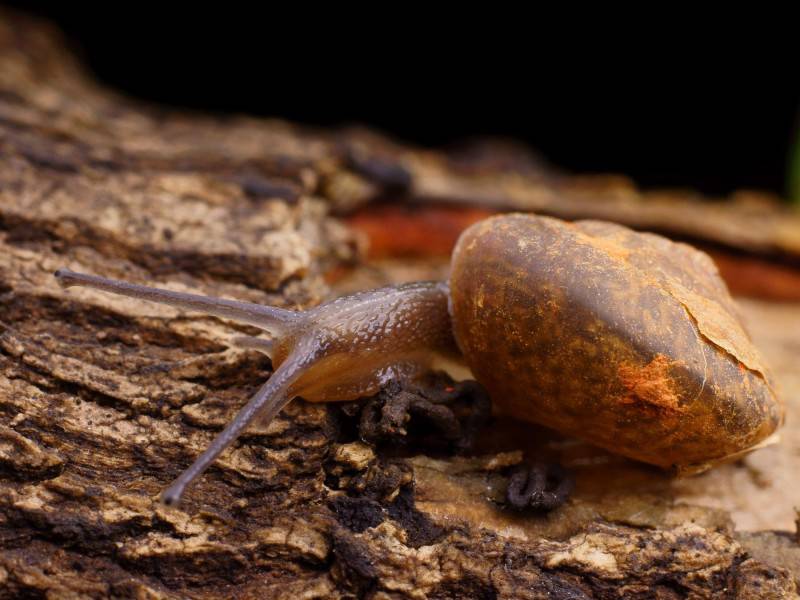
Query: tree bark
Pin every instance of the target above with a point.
(104, 400)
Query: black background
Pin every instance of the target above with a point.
(716, 113)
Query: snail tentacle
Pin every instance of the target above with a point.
(270, 318)
(255, 343)
(265, 404)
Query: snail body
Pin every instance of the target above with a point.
(341, 350)
(624, 339)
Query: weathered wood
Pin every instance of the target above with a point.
(104, 400)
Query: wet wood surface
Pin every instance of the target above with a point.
(104, 400)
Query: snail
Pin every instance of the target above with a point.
(627, 340)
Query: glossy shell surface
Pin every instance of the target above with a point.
(624, 339)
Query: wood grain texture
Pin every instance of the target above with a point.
(104, 400)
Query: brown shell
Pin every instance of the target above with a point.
(627, 340)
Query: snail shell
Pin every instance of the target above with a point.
(625, 339)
